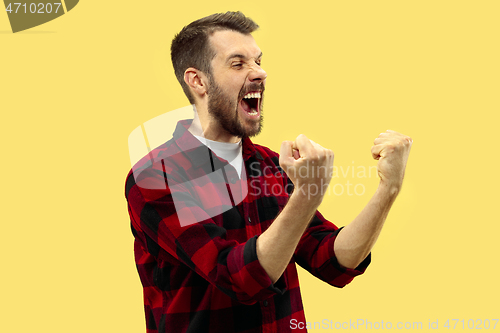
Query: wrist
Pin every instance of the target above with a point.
(389, 189)
(305, 200)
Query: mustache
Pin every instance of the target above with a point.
(251, 87)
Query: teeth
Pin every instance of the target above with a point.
(252, 95)
(253, 112)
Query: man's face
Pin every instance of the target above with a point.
(236, 87)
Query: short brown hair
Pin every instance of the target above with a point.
(191, 48)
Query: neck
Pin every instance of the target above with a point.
(205, 126)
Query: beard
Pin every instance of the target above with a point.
(225, 110)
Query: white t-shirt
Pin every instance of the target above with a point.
(231, 152)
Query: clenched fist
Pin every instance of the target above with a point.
(391, 149)
(308, 165)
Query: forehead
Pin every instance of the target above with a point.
(226, 43)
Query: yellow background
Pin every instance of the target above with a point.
(341, 72)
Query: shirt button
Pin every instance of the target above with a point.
(233, 180)
(266, 303)
(249, 220)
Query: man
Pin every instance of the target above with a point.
(219, 222)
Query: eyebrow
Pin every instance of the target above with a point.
(237, 55)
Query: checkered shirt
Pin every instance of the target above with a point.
(196, 223)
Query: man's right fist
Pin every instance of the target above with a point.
(308, 165)
(392, 149)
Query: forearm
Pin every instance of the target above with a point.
(355, 241)
(275, 246)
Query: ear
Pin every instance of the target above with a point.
(197, 81)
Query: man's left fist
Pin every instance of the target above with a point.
(391, 149)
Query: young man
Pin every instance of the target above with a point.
(219, 222)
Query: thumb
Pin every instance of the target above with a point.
(304, 146)
(286, 152)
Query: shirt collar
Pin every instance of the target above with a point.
(197, 152)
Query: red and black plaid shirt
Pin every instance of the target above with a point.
(195, 230)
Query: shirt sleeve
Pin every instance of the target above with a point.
(315, 253)
(197, 241)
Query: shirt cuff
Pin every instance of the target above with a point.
(336, 274)
(252, 282)
(277, 288)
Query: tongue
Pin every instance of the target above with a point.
(245, 106)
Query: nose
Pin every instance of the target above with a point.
(257, 74)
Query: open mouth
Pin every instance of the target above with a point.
(250, 103)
